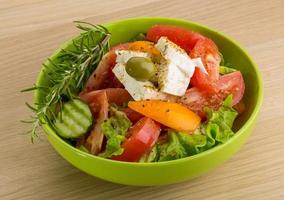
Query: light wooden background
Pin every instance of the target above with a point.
(31, 29)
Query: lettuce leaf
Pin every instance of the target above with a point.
(220, 122)
(173, 149)
(115, 129)
(193, 144)
(152, 156)
(216, 130)
(226, 70)
(178, 145)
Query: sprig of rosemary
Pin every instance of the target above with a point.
(68, 73)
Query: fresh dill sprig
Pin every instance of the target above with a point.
(68, 73)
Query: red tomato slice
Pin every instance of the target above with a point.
(102, 77)
(132, 115)
(196, 99)
(184, 38)
(234, 84)
(121, 46)
(207, 50)
(99, 107)
(202, 81)
(143, 136)
(114, 95)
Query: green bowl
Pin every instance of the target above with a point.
(148, 174)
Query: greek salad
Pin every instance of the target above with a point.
(165, 95)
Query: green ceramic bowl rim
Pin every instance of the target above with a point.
(247, 124)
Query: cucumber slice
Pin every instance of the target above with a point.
(76, 119)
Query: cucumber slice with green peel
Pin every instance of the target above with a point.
(75, 121)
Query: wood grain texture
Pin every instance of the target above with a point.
(31, 30)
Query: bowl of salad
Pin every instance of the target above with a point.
(147, 101)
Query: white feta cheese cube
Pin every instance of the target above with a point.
(177, 69)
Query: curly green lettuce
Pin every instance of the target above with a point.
(217, 130)
(115, 129)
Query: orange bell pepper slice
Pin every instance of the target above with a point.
(173, 115)
(144, 46)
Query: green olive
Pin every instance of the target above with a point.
(140, 68)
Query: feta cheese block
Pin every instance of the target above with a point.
(176, 69)
(139, 90)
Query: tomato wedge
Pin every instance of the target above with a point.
(234, 84)
(143, 136)
(184, 38)
(196, 99)
(207, 50)
(103, 77)
(114, 95)
(99, 107)
(209, 54)
(122, 46)
(202, 81)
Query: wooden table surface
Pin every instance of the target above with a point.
(31, 30)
